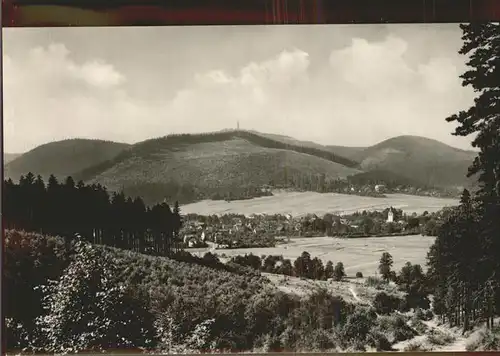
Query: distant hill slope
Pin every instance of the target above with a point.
(347, 152)
(9, 157)
(341, 151)
(427, 161)
(175, 165)
(222, 159)
(63, 158)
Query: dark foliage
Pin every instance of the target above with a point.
(303, 266)
(88, 298)
(70, 209)
(464, 262)
(386, 304)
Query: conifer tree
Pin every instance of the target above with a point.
(385, 265)
(466, 255)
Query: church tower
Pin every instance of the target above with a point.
(238, 125)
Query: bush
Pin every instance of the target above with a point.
(429, 315)
(419, 314)
(488, 340)
(358, 325)
(376, 282)
(425, 315)
(385, 303)
(395, 328)
(379, 341)
(30, 260)
(417, 300)
(359, 275)
(317, 340)
(419, 326)
(98, 312)
(436, 337)
(415, 346)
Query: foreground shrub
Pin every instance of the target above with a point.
(395, 328)
(437, 337)
(317, 340)
(424, 315)
(429, 315)
(30, 260)
(419, 326)
(379, 341)
(358, 326)
(385, 303)
(85, 309)
(375, 282)
(487, 340)
(415, 346)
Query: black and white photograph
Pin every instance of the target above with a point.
(207, 189)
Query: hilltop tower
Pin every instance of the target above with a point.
(238, 125)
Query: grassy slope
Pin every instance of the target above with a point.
(427, 161)
(63, 158)
(235, 161)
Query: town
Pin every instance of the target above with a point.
(262, 230)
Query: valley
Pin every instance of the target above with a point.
(301, 203)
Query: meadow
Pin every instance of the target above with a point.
(357, 254)
(301, 203)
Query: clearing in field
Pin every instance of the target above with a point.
(301, 203)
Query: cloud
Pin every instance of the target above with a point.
(372, 65)
(256, 93)
(48, 96)
(363, 93)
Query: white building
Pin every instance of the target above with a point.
(390, 216)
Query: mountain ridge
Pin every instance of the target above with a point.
(62, 158)
(239, 158)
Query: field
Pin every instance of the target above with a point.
(298, 204)
(357, 254)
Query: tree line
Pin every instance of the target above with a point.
(304, 266)
(91, 212)
(464, 262)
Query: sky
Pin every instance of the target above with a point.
(350, 85)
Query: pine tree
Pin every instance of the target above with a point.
(385, 265)
(339, 271)
(329, 270)
(482, 45)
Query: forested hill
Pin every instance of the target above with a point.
(236, 164)
(149, 148)
(183, 167)
(8, 157)
(62, 158)
(420, 159)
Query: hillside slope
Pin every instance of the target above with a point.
(9, 157)
(211, 161)
(427, 161)
(63, 158)
(346, 151)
